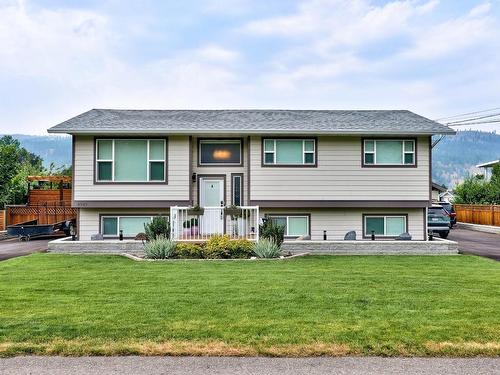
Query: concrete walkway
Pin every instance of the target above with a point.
(227, 365)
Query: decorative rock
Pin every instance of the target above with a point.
(350, 236)
(97, 237)
(305, 237)
(404, 237)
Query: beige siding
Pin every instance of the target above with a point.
(337, 222)
(339, 175)
(227, 171)
(89, 218)
(176, 189)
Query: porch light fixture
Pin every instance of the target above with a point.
(193, 177)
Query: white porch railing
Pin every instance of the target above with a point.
(188, 225)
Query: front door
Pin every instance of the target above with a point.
(212, 199)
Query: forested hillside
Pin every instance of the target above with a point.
(50, 148)
(456, 156)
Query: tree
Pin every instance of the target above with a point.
(476, 190)
(16, 163)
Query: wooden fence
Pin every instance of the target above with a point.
(2, 220)
(36, 197)
(478, 214)
(46, 213)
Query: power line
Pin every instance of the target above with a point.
(476, 122)
(468, 114)
(473, 119)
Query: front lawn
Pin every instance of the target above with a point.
(331, 305)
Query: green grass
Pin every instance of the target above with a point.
(338, 305)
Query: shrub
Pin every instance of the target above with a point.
(186, 250)
(217, 247)
(272, 231)
(158, 227)
(240, 249)
(266, 248)
(159, 248)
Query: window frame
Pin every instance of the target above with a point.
(218, 140)
(287, 216)
(304, 152)
(388, 165)
(233, 176)
(148, 163)
(385, 216)
(118, 216)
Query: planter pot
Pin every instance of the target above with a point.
(198, 212)
(233, 212)
(194, 231)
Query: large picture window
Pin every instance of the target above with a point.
(130, 225)
(384, 225)
(289, 152)
(388, 152)
(130, 160)
(220, 152)
(295, 225)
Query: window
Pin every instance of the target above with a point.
(384, 225)
(294, 225)
(389, 152)
(130, 160)
(219, 152)
(130, 225)
(237, 189)
(289, 152)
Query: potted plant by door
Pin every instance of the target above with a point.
(186, 232)
(196, 210)
(233, 211)
(194, 227)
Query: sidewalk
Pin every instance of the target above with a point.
(479, 228)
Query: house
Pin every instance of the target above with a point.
(446, 196)
(319, 173)
(436, 190)
(488, 168)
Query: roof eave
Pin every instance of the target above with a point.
(249, 132)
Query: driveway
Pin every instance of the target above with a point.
(14, 248)
(477, 243)
(235, 365)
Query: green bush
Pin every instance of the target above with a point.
(217, 247)
(240, 249)
(272, 231)
(159, 248)
(266, 248)
(158, 227)
(187, 250)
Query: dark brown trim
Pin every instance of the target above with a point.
(127, 214)
(249, 139)
(198, 153)
(430, 171)
(241, 175)
(338, 204)
(215, 176)
(73, 142)
(94, 167)
(129, 204)
(315, 165)
(363, 165)
(190, 179)
(425, 222)
(293, 214)
(383, 214)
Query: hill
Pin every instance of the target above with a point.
(51, 148)
(455, 157)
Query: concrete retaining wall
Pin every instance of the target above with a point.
(479, 228)
(65, 245)
(436, 247)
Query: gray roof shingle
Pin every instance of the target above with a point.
(109, 121)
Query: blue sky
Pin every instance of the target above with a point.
(60, 58)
